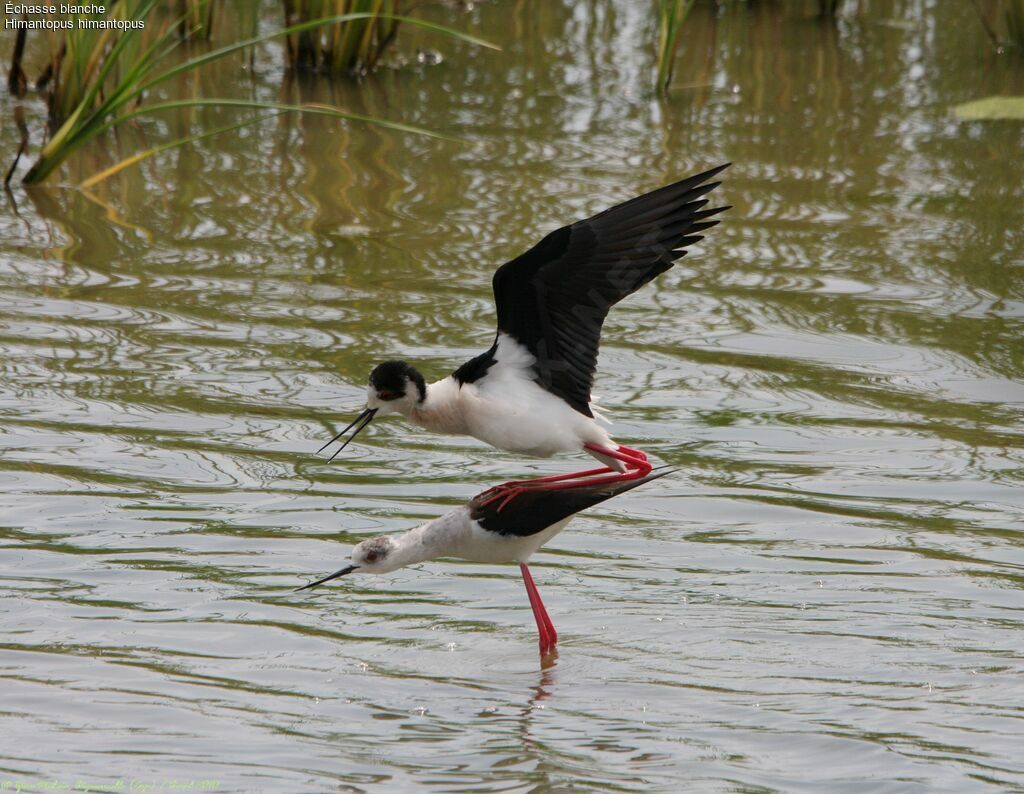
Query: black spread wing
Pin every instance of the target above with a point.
(553, 299)
(531, 512)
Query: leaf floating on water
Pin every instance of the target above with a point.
(992, 107)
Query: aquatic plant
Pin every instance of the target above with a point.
(197, 16)
(98, 78)
(83, 59)
(353, 46)
(1015, 22)
(17, 81)
(671, 15)
(1013, 16)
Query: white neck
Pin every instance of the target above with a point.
(442, 537)
(441, 410)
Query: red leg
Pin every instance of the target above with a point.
(636, 468)
(635, 460)
(633, 453)
(545, 628)
(551, 478)
(509, 489)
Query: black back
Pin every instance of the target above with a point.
(553, 299)
(533, 511)
(477, 367)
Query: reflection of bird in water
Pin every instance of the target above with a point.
(530, 392)
(484, 531)
(542, 691)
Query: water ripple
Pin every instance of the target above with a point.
(827, 593)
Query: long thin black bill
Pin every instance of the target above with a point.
(334, 575)
(365, 418)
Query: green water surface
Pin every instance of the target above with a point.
(826, 597)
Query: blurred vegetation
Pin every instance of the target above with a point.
(97, 78)
(197, 18)
(671, 16)
(354, 46)
(1015, 22)
(1003, 21)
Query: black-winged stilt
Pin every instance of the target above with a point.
(530, 392)
(482, 532)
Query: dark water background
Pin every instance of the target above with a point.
(828, 597)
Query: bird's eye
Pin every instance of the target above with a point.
(387, 396)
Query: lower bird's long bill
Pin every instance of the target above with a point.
(358, 423)
(346, 570)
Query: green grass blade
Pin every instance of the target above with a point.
(671, 16)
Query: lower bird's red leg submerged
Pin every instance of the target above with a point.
(635, 462)
(545, 628)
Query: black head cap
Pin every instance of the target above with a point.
(391, 377)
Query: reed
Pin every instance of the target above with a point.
(83, 59)
(671, 16)
(197, 19)
(353, 47)
(1013, 16)
(99, 80)
(17, 81)
(1015, 22)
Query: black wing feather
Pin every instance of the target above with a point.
(554, 298)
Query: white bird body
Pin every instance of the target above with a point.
(506, 409)
(455, 534)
